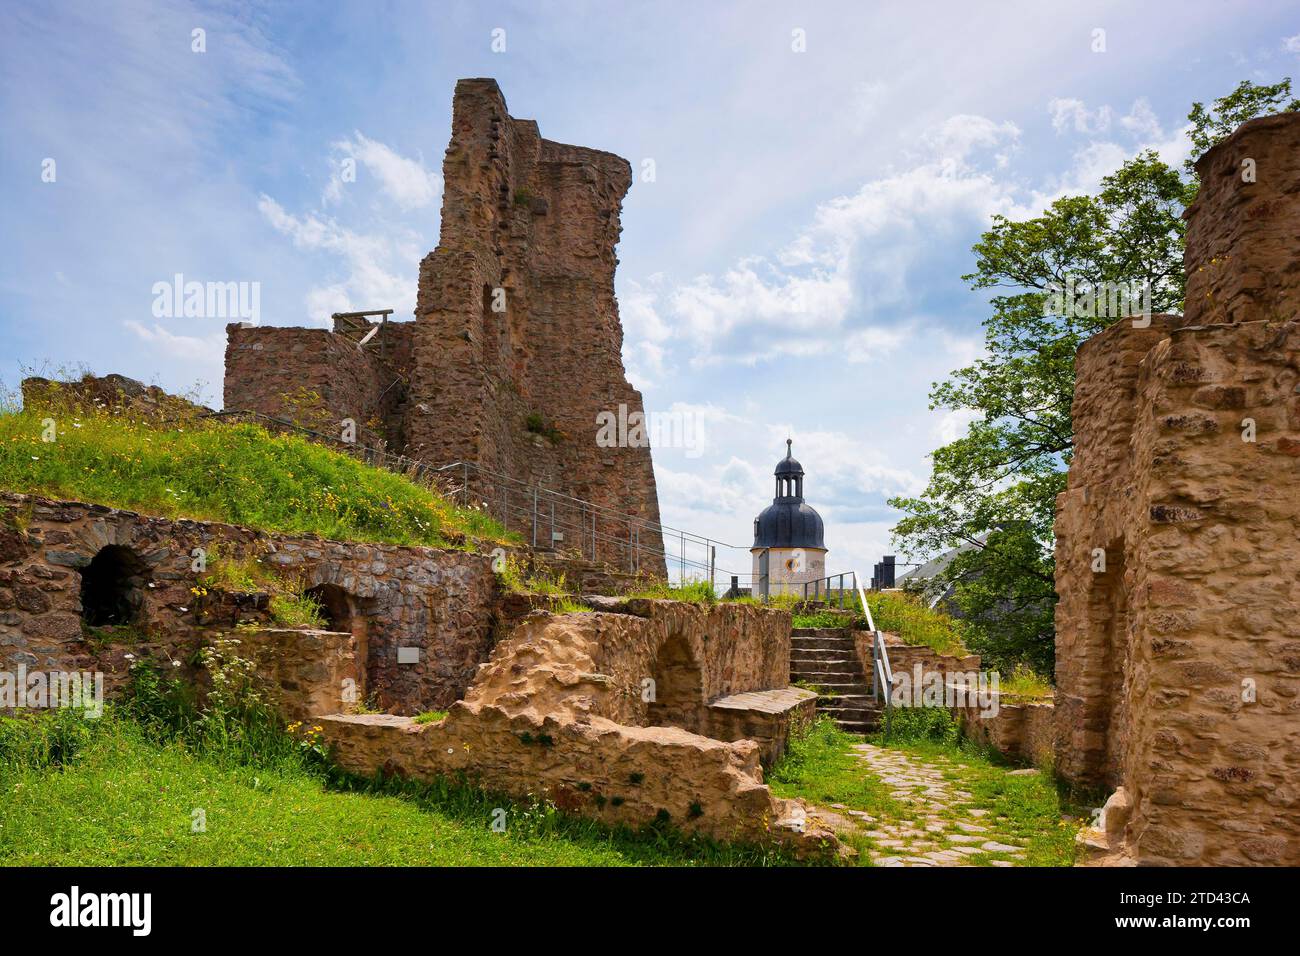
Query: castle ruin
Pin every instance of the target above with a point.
(1177, 549)
(516, 344)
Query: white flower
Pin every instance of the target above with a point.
(129, 657)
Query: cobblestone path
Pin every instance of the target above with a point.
(929, 820)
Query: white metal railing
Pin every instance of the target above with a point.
(818, 590)
(882, 675)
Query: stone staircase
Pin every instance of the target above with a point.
(824, 657)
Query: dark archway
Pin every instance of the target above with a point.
(112, 587)
(335, 605)
(679, 688)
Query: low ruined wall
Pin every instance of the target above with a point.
(598, 663)
(439, 603)
(560, 711)
(905, 658)
(1022, 731)
(592, 767)
(767, 723)
(314, 672)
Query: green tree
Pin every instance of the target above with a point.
(1247, 101)
(992, 492)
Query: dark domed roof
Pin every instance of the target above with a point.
(788, 522)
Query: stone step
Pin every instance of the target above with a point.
(826, 678)
(859, 710)
(838, 666)
(822, 654)
(821, 644)
(845, 688)
(861, 698)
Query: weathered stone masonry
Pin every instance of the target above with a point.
(529, 227)
(440, 603)
(1178, 666)
(560, 711)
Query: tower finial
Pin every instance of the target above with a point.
(789, 453)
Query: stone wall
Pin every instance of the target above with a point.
(1021, 730)
(314, 671)
(1178, 659)
(267, 368)
(597, 663)
(560, 711)
(516, 347)
(906, 658)
(439, 605)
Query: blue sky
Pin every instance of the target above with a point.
(793, 269)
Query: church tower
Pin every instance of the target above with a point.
(789, 546)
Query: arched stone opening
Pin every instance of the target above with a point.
(347, 614)
(336, 606)
(112, 587)
(678, 686)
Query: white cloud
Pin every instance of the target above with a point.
(374, 262)
(208, 349)
(403, 180)
(1291, 44)
(1071, 114)
(957, 137)
(1141, 121)
(829, 288)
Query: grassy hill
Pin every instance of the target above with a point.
(236, 473)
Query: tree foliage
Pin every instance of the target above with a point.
(993, 490)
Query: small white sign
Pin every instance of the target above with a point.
(408, 655)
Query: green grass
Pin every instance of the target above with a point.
(297, 610)
(906, 616)
(430, 716)
(236, 473)
(516, 577)
(116, 792)
(1024, 684)
(697, 592)
(818, 767)
(821, 619)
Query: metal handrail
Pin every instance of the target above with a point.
(817, 589)
(882, 674)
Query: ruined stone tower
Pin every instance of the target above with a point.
(1177, 556)
(516, 347)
